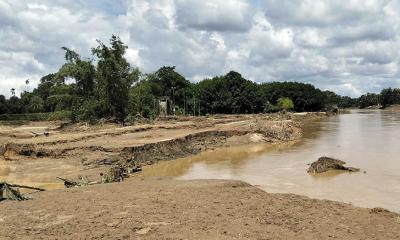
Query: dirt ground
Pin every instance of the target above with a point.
(201, 209)
(28, 156)
(163, 209)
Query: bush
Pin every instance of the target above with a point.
(86, 111)
(285, 104)
(270, 108)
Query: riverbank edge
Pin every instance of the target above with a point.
(195, 209)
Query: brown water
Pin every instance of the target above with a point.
(369, 140)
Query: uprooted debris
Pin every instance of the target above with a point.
(78, 183)
(116, 173)
(324, 164)
(11, 191)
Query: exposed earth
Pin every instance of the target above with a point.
(38, 152)
(201, 209)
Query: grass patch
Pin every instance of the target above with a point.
(21, 118)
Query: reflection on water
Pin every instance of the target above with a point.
(365, 139)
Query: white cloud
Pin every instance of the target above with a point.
(350, 47)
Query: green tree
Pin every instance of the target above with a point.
(369, 99)
(3, 105)
(285, 104)
(390, 96)
(82, 71)
(143, 100)
(228, 94)
(114, 78)
(60, 97)
(304, 96)
(36, 105)
(14, 105)
(86, 110)
(172, 84)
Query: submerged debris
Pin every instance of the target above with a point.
(326, 163)
(11, 192)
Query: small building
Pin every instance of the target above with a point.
(164, 104)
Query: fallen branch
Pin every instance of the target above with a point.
(26, 187)
(7, 191)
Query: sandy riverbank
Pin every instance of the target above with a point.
(202, 209)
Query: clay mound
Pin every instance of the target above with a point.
(324, 164)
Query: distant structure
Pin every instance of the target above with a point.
(164, 105)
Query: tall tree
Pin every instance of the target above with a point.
(82, 71)
(3, 104)
(173, 84)
(114, 77)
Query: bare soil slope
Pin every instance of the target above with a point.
(202, 209)
(28, 156)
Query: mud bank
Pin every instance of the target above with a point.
(70, 151)
(209, 140)
(202, 209)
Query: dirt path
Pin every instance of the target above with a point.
(202, 209)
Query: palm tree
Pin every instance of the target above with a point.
(12, 91)
(36, 104)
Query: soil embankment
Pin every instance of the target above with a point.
(36, 154)
(394, 108)
(202, 209)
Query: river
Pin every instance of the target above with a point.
(368, 139)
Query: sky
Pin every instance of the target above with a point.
(350, 47)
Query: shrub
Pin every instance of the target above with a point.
(270, 108)
(285, 104)
(86, 110)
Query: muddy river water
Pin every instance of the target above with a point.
(369, 140)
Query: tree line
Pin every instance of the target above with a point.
(387, 97)
(108, 87)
